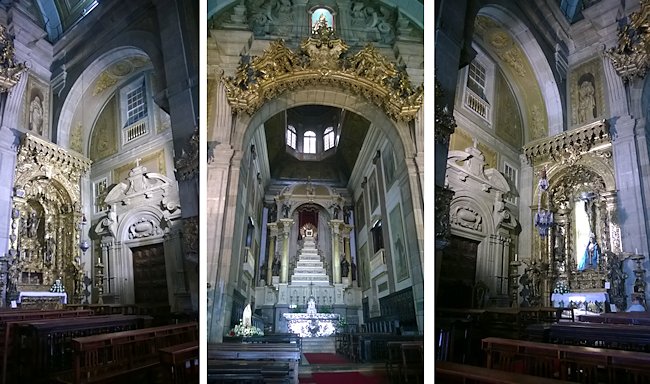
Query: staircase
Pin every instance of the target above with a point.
(319, 344)
(309, 267)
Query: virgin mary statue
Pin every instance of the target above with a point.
(591, 255)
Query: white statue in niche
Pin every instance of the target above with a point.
(247, 317)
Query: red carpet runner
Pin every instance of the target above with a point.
(343, 378)
(326, 358)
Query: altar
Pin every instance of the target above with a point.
(588, 301)
(42, 299)
(312, 323)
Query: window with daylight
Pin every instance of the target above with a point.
(309, 142)
(328, 138)
(291, 137)
(511, 173)
(479, 85)
(136, 106)
(377, 237)
(476, 78)
(133, 103)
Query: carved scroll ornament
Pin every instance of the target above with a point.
(321, 62)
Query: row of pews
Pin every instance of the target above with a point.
(78, 346)
(606, 348)
(273, 358)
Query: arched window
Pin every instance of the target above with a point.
(309, 143)
(291, 137)
(328, 138)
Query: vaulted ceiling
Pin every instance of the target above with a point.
(58, 16)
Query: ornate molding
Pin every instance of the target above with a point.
(36, 151)
(568, 147)
(445, 124)
(442, 204)
(630, 56)
(145, 227)
(191, 238)
(466, 217)
(187, 165)
(322, 61)
(9, 71)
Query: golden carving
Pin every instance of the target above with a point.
(76, 138)
(46, 212)
(630, 56)
(445, 124)
(569, 145)
(9, 70)
(320, 62)
(104, 81)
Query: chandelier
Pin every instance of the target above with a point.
(543, 217)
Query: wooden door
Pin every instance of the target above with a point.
(149, 275)
(457, 273)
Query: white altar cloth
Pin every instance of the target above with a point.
(62, 295)
(578, 297)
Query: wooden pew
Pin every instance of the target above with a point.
(405, 360)
(568, 362)
(9, 318)
(181, 363)
(633, 318)
(118, 356)
(42, 347)
(447, 372)
(290, 338)
(273, 362)
(374, 347)
(615, 336)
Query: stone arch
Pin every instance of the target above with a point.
(74, 100)
(396, 132)
(537, 59)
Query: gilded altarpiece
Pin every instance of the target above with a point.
(46, 228)
(584, 242)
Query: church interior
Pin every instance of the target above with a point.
(99, 263)
(541, 191)
(314, 195)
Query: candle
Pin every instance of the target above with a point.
(516, 257)
(636, 251)
(99, 260)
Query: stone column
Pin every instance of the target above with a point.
(301, 23)
(273, 231)
(286, 232)
(336, 250)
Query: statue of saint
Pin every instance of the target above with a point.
(36, 115)
(345, 267)
(248, 316)
(311, 306)
(275, 270)
(592, 253)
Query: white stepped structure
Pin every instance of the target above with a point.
(309, 267)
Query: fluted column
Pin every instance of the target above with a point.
(273, 231)
(286, 231)
(336, 250)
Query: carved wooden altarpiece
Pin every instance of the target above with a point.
(582, 197)
(46, 217)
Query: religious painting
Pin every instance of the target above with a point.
(364, 263)
(400, 258)
(389, 166)
(36, 111)
(360, 216)
(374, 198)
(586, 91)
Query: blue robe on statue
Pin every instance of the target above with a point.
(590, 257)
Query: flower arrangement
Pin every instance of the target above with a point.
(342, 324)
(57, 286)
(241, 330)
(561, 287)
